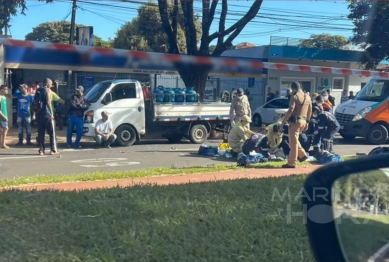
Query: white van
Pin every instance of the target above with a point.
(367, 115)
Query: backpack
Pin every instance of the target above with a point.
(37, 104)
(379, 150)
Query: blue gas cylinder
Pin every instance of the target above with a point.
(190, 94)
(168, 95)
(180, 95)
(158, 93)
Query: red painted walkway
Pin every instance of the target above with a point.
(250, 173)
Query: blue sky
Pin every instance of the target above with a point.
(295, 19)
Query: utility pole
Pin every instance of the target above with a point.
(73, 22)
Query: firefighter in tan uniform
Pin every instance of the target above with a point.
(240, 105)
(298, 116)
(239, 134)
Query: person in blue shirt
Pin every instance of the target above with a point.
(24, 101)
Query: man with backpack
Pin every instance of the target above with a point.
(42, 106)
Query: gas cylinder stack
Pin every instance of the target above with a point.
(165, 95)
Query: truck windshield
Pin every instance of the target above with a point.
(374, 91)
(97, 91)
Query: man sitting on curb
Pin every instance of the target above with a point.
(104, 135)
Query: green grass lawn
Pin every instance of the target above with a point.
(363, 240)
(234, 220)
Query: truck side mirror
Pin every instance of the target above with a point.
(107, 99)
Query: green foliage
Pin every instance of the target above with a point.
(98, 42)
(145, 32)
(371, 25)
(9, 8)
(236, 220)
(58, 32)
(325, 41)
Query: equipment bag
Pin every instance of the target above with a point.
(205, 150)
(37, 104)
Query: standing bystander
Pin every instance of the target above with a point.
(24, 101)
(3, 116)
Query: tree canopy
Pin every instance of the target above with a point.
(9, 8)
(145, 32)
(58, 32)
(371, 30)
(325, 41)
(196, 75)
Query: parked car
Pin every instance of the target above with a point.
(270, 111)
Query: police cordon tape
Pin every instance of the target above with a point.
(213, 64)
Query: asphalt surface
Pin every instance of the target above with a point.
(24, 161)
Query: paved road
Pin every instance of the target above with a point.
(25, 161)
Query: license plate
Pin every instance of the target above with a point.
(341, 127)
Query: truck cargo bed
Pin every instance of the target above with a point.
(191, 111)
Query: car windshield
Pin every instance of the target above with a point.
(374, 91)
(97, 91)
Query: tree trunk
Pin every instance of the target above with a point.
(195, 77)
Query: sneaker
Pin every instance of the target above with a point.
(41, 152)
(19, 143)
(54, 153)
(30, 144)
(288, 166)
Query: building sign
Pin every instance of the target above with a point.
(324, 83)
(85, 36)
(251, 82)
(88, 82)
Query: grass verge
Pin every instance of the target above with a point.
(94, 176)
(235, 220)
(362, 236)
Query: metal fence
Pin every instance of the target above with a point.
(281, 40)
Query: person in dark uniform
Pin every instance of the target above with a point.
(327, 127)
(298, 116)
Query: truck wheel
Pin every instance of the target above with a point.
(175, 139)
(126, 135)
(378, 134)
(198, 134)
(347, 137)
(257, 120)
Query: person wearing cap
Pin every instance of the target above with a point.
(239, 134)
(24, 116)
(104, 135)
(240, 105)
(78, 105)
(298, 116)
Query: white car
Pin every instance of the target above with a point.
(270, 112)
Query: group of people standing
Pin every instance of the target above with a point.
(40, 107)
(308, 120)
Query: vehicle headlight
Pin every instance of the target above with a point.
(88, 117)
(361, 114)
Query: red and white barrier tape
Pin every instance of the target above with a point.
(215, 62)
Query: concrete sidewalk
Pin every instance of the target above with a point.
(250, 173)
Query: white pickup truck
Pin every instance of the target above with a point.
(135, 118)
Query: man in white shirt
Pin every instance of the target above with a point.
(104, 135)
